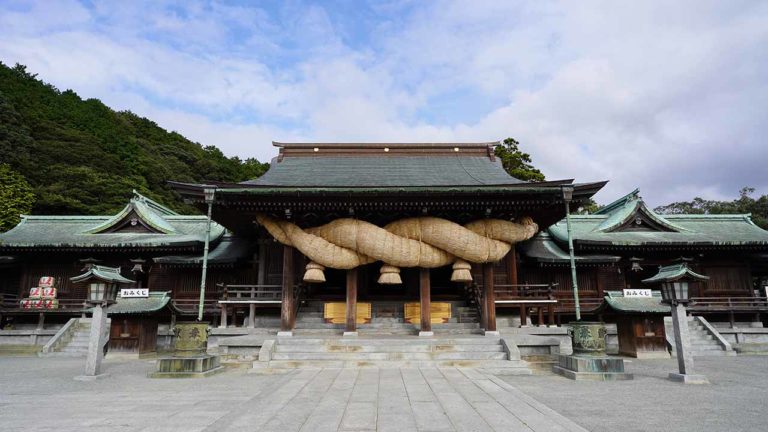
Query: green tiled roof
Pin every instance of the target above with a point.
(153, 303)
(102, 273)
(385, 171)
(67, 232)
(681, 229)
(672, 273)
(229, 250)
(616, 301)
(541, 248)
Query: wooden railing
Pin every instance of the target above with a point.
(252, 293)
(189, 306)
(586, 304)
(525, 291)
(10, 302)
(728, 304)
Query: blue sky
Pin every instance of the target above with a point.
(671, 97)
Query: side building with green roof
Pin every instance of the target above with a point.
(150, 244)
(626, 241)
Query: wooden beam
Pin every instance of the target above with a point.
(286, 311)
(425, 300)
(351, 313)
(490, 298)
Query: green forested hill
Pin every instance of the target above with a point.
(81, 157)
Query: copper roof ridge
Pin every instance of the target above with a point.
(474, 144)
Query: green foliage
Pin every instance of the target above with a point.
(590, 207)
(517, 163)
(15, 195)
(81, 157)
(742, 205)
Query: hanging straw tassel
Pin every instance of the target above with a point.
(314, 273)
(390, 275)
(461, 272)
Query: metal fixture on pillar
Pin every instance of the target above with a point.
(210, 193)
(674, 281)
(567, 197)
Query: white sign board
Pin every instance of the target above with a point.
(637, 293)
(134, 292)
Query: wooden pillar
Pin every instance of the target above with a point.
(541, 316)
(512, 266)
(288, 308)
(523, 315)
(426, 301)
(351, 312)
(551, 314)
(490, 298)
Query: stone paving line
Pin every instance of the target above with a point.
(348, 400)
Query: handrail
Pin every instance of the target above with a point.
(586, 304)
(8, 303)
(728, 303)
(525, 291)
(190, 305)
(251, 292)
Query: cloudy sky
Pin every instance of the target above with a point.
(668, 96)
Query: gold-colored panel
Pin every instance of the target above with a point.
(336, 313)
(440, 313)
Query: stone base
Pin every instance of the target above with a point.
(284, 334)
(492, 333)
(187, 367)
(596, 368)
(426, 333)
(350, 334)
(688, 378)
(90, 377)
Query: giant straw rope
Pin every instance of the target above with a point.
(427, 242)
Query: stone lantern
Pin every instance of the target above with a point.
(675, 280)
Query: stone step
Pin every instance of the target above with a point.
(19, 350)
(66, 354)
(505, 367)
(387, 341)
(390, 356)
(387, 348)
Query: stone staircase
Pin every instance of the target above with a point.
(75, 342)
(310, 322)
(392, 352)
(704, 340)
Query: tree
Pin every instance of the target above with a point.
(517, 163)
(745, 204)
(16, 197)
(81, 157)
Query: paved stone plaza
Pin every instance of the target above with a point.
(736, 399)
(40, 394)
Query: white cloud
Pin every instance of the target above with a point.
(669, 97)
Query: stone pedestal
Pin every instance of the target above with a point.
(190, 359)
(688, 378)
(187, 367)
(587, 367)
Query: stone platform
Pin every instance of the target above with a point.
(486, 352)
(187, 367)
(595, 368)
